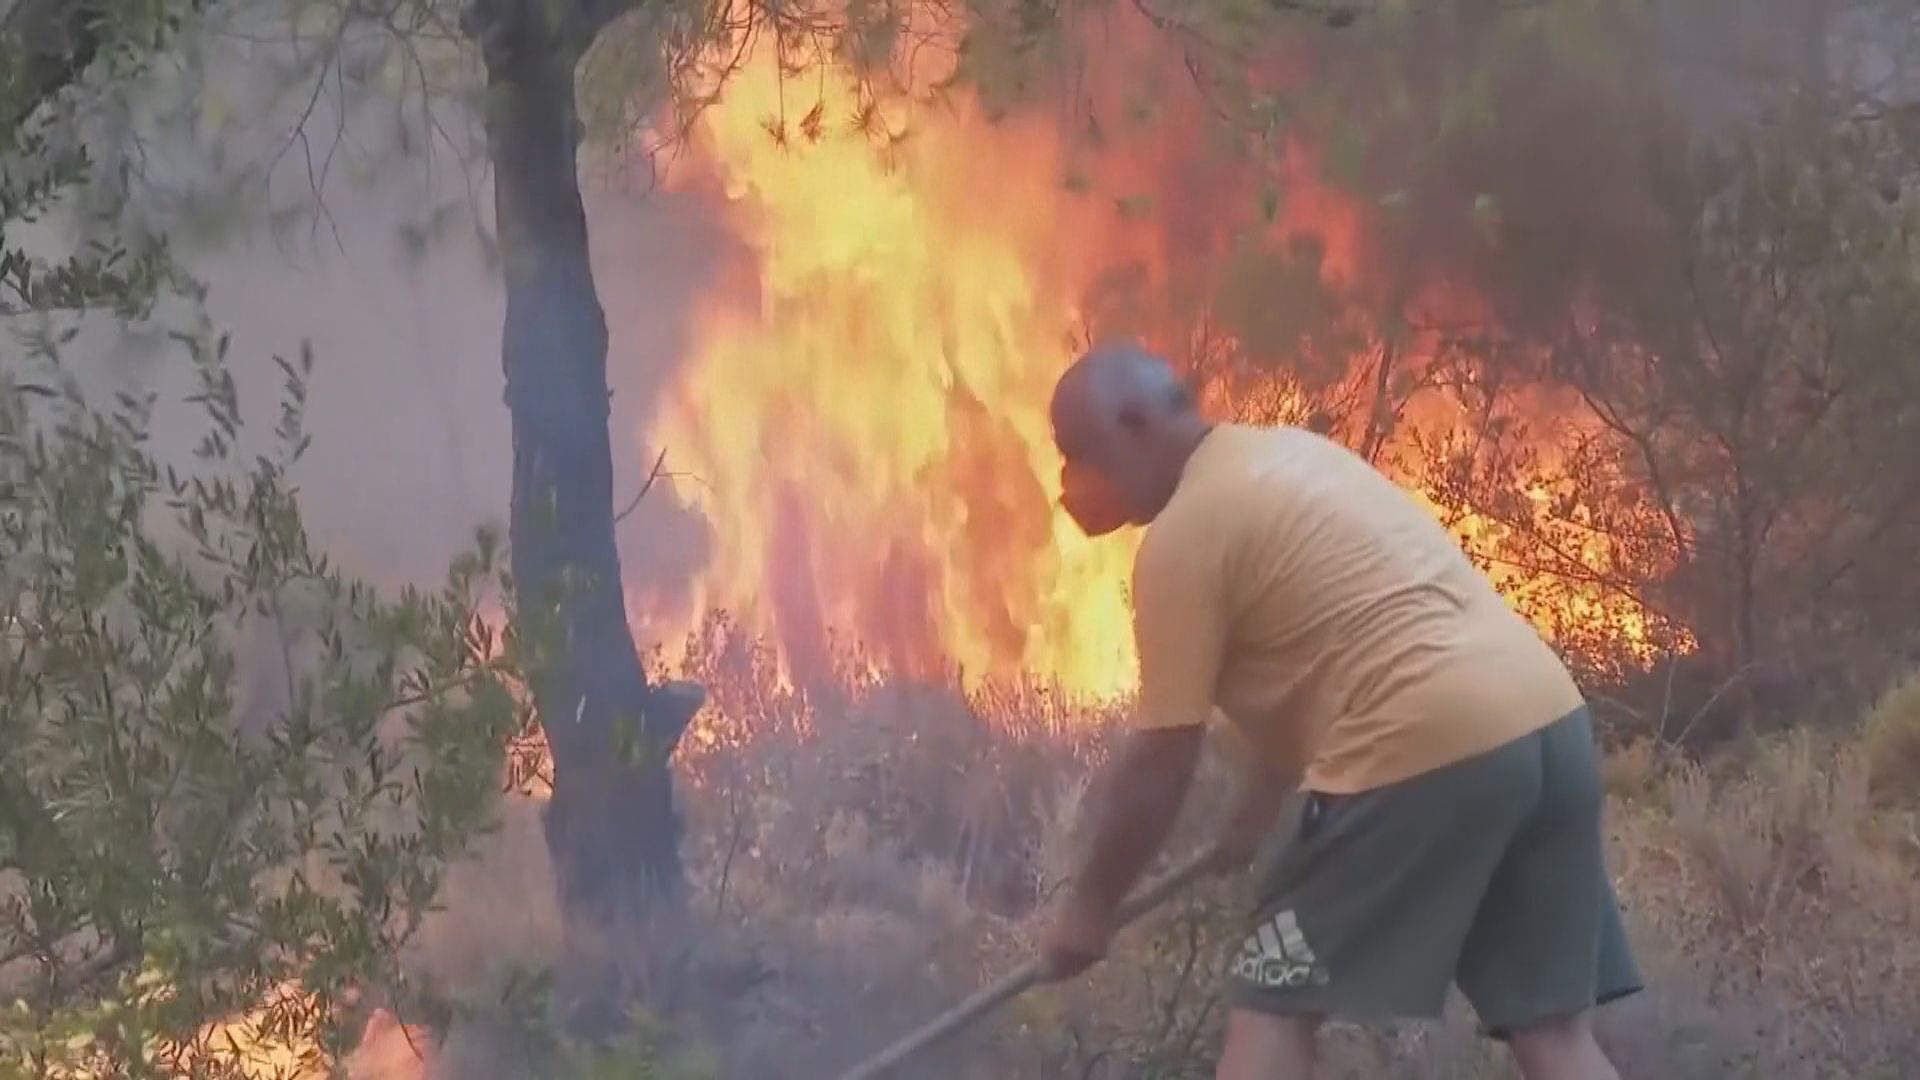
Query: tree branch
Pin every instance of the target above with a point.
(516, 31)
(593, 16)
(45, 45)
(644, 488)
(63, 980)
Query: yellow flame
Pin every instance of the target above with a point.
(250, 1043)
(867, 420)
(863, 409)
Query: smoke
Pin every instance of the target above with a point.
(336, 216)
(412, 445)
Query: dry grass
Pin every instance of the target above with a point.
(875, 857)
(1788, 896)
(1893, 745)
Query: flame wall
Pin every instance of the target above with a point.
(861, 418)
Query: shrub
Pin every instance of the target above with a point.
(233, 778)
(1892, 733)
(1779, 900)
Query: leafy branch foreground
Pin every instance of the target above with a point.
(233, 775)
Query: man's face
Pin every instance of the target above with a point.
(1092, 466)
(1092, 499)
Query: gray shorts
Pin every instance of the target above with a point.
(1490, 872)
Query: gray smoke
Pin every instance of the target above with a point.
(365, 241)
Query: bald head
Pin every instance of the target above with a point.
(1125, 425)
(1112, 390)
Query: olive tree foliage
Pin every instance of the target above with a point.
(43, 50)
(235, 777)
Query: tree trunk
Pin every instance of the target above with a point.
(611, 827)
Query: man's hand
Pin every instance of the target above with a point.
(1078, 938)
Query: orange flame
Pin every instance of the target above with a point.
(864, 405)
(867, 417)
(252, 1043)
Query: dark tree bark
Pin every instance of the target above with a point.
(612, 827)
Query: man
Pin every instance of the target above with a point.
(1450, 816)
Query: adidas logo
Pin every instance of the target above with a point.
(1276, 956)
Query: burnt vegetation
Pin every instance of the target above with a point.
(1628, 291)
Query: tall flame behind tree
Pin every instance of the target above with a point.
(864, 407)
(1506, 286)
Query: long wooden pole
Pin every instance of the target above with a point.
(1021, 979)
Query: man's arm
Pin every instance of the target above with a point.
(1146, 788)
(1179, 631)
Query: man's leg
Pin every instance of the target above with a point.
(1562, 1048)
(1365, 912)
(1261, 1046)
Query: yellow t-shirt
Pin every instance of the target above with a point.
(1330, 617)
